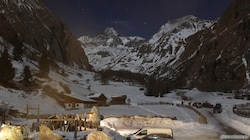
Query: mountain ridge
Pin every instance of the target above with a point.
(139, 50)
(217, 58)
(208, 55)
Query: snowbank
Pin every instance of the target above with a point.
(237, 122)
(98, 135)
(128, 125)
(46, 134)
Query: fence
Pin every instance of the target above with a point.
(202, 118)
(242, 110)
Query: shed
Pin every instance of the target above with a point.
(116, 100)
(74, 101)
(100, 98)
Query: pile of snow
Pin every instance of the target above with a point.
(98, 135)
(9, 132)
(239, 123)
(46, 134)
(128, 125)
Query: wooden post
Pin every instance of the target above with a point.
(27, 109)
(85, 121)
(61, 123)
(80, 120)
(38, 113)
(3, 119)
(80, 123)
(75, 134)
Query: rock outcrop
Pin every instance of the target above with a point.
(29, 23)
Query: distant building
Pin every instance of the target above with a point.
(100, 98)
(117, 100)
(77, 102)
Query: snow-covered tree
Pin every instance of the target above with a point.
(96, 114)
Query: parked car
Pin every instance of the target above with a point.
(217, 108)
(207, 105)
(158, 136)
(197, 104)
(147, 131)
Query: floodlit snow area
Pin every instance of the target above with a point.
(121, 120)
(125, 126)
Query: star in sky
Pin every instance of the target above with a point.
(130, 17)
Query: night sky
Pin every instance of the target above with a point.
(130, 17)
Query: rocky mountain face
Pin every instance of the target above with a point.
(109, 51)
(31, 25)
(184, 53)
(218, 58)
(166, 46)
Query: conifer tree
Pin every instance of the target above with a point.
(7, 72)
(27, 76)
(18, 52)
(44, 65)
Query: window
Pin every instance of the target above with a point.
(143, 132)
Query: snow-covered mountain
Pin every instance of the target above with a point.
(184, 53)
(166, 46)
(31, 26)
(110, 51)
(216, 59)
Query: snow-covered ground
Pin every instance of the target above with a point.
(121, 120)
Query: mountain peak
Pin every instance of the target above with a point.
(189, 17)
(110, 32)
(170, 25)
(180, 28)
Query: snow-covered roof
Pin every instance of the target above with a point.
(96, 95)
(79, 97)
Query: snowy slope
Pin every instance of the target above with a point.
(138, 55)
(83, 83)
(185, 127)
